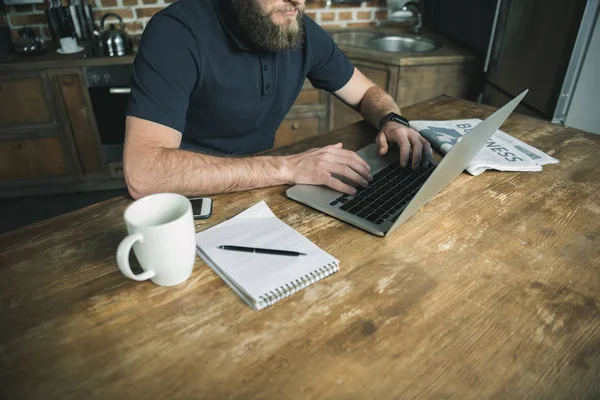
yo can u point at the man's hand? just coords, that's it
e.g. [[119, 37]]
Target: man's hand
[[406, 138], [373, 103], [317, 167]]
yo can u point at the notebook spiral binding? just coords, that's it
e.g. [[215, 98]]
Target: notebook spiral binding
[[288, 289]]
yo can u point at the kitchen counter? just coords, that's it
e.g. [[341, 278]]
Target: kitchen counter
[[52, 60], [448, 53]]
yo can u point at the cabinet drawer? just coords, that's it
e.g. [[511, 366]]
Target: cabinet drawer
[[32, 158], [293, 130], [23, 102]]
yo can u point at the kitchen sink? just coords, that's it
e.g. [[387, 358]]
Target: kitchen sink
[[389, 43], [352, 38], [403, 44]]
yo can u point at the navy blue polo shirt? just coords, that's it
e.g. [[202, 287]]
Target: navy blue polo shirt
[[196, 72]]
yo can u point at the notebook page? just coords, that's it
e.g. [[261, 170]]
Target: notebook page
[[258, 274]]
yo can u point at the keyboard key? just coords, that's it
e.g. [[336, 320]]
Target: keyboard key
[[373, 217], [355, 210], [389, 204], [346, 206], [352, 203], [333, 203]]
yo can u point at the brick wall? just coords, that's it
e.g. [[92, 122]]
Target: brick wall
[[137, 13]]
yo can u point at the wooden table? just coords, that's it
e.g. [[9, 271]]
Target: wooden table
[[490, 290]]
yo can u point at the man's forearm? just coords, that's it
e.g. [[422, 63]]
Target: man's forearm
[[376, 104], [191, 174]]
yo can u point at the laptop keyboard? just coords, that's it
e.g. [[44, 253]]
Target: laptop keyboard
[[390, 190]]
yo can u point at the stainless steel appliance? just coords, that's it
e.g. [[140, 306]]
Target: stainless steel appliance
[[109, 90], [114, 42], [540, 45]]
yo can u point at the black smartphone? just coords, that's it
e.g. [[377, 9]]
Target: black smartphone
[[201, 207]]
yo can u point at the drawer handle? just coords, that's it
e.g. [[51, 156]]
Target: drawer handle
[[115, 90], [295, 126]]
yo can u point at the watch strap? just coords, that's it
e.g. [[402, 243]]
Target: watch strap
[[395, 118]]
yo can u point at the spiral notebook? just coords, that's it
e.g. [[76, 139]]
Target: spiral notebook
[[263, 279]]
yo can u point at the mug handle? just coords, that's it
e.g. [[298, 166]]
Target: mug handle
[[123, 258]]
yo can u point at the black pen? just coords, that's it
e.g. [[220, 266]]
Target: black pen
[[262, 251]]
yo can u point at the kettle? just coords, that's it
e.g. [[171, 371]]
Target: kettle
[[114, 42], [29, 42]]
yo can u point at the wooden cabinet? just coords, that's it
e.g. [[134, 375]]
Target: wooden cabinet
[[293, 130], [80, 126], [308, 117], [33, 150], [48, 138], [24, 102], [423, 82], [32, 159]]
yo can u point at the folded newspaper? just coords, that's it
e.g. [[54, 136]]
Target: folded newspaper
[[502, 152]]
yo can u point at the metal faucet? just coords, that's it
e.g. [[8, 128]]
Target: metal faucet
[[418, 27]]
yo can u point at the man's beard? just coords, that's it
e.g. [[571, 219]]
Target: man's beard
[[262, 31]]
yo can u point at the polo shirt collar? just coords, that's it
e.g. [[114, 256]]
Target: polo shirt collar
[[228, 23]]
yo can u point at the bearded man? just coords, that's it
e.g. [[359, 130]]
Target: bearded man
[[212, 82]]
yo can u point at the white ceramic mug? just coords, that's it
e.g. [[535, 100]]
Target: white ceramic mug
[[163, 236], [68, 44]]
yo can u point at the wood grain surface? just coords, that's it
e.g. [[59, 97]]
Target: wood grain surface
[[23, 101], [490, 291], [81, 123]]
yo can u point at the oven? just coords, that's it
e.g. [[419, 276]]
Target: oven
[[109, 90]]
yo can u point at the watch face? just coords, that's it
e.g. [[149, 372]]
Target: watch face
[[400, 119]]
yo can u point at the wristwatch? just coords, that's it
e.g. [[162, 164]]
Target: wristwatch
[[393, 117]]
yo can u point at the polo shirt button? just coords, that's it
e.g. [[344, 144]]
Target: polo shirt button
[[265, 68], [268, 87]]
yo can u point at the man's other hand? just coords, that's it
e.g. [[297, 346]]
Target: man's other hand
[[406, 138], [317, 167]]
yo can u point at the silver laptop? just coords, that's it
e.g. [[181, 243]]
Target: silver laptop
[[395, 193]]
